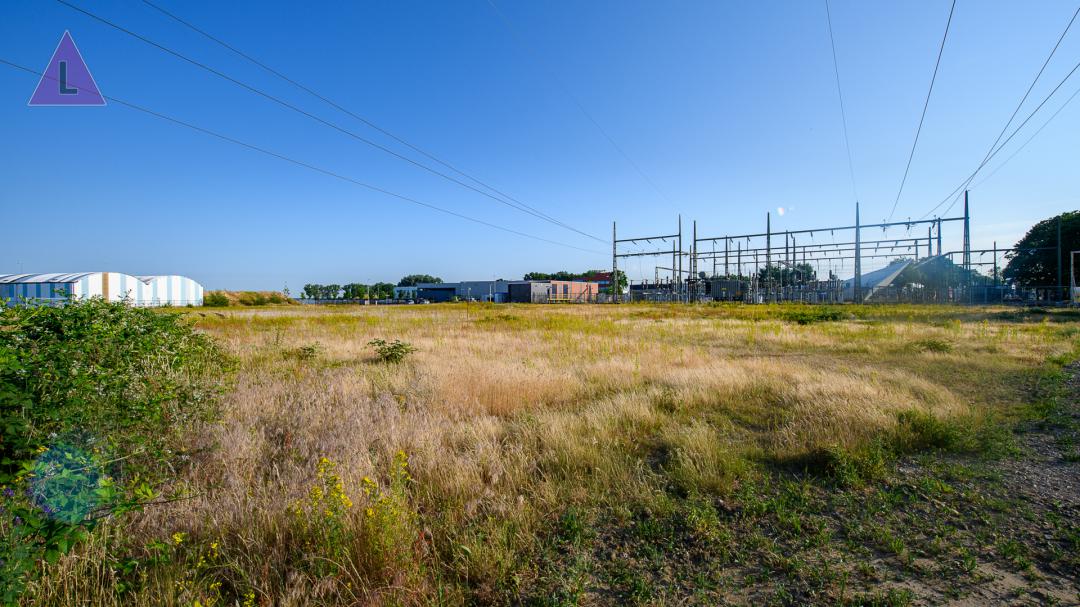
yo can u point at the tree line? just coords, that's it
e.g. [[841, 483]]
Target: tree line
[[357, 290]]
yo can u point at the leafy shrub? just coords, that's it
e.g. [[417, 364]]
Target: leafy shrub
[[95, 401], [391, 352], [917, 430], [253, 298], [215, 299], [812, 314]]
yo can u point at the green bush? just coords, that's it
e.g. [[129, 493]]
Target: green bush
[[96, 399], [918, 430], [252, 298], [391, 352], [812, 314], [215, 299]]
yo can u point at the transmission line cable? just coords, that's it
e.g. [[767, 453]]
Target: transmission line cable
[[840, 94], [573, 98], [1007, 140], [354, 115], [922, 118], [1024, 145], [308, 165], [314, 117], [991, 150]]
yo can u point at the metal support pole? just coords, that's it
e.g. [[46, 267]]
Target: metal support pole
[[768, 248], [674, 268], [1059, 281], [678, 274], [930, 241], [693, 265], [738, 262], [857, 284], [727, 243], [939, 236], [995, 265], [967, 247], [614, 266]]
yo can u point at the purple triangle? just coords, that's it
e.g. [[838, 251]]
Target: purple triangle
[[67, 80]]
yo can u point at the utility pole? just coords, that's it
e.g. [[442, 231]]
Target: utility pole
[[678, 274], [614, 267], [1072, 276], [693, 265], [967, 247], [727, 243], [768, 247], [1059, 281], [857, 284], [738, 262], [674, 275]]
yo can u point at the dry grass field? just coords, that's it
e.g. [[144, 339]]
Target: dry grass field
[[597, 455]]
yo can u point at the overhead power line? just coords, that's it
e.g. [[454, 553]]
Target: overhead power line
[[991, 150], [316, 118], [840, 94], [352, 114], [922, 118], [1017, 130], [573, 98], [1007, 140], [307, 165], [1033, 136]]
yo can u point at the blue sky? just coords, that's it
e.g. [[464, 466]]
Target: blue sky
[[729, 108]]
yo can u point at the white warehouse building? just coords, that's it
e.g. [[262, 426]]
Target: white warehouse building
[[111, 286]]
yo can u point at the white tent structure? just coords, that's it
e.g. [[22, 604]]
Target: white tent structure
[[111, 286]]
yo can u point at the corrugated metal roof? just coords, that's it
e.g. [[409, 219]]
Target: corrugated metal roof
[[151, 278], [71, 277], [44, 278]]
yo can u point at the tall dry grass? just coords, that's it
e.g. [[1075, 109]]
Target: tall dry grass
[[507, 416]]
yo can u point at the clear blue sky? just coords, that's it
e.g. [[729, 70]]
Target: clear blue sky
[[730, 108]]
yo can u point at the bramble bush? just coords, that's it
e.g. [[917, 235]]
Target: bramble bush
[[95, 401]]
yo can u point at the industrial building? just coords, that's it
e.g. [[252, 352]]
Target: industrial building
[[111, 286], [553, 291], [517, 291], [480, 290]]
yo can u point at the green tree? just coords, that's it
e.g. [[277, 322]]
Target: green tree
[[382, 290], [800, 273], [1035, 263], [354, 290], [331, 291], [313, 291], [414, 279]]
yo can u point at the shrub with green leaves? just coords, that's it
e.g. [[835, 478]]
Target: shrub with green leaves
[[391, 352], [96, 399], [215, 299]]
